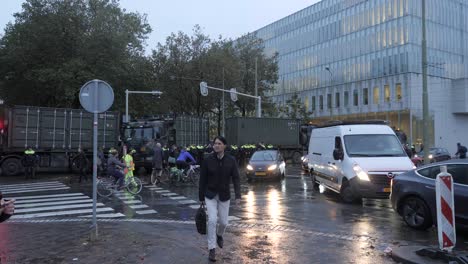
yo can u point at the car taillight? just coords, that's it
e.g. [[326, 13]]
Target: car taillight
[[2, 125]]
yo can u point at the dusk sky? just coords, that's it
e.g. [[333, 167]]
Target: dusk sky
[[230, 19]]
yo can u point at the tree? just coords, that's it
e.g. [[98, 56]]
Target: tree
[[54, 47], [295, 109], [183, 61]]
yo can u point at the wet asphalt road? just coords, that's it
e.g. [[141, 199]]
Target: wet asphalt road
[[291, 204]]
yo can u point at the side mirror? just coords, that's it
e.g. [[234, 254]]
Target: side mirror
[[338, 154]]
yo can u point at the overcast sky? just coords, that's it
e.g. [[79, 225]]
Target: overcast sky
[[229, 18]]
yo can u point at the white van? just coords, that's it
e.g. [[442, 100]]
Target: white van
[[356, 160]]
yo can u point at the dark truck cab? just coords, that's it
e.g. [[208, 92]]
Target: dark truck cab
[[142, 134]]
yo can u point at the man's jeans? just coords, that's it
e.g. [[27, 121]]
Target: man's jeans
[[218, 213]]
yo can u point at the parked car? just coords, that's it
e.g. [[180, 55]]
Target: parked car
[[305, 162], [435, 155], [356, 160], [266, 164], [413, 194]]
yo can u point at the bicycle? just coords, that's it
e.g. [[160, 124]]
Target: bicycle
[[106, 185], [178, 176]]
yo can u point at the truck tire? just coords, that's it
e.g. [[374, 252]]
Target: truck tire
[[11, 167], [296, 157]]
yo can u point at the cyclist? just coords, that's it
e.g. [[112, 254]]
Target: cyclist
[[128, 159], [114, 166], [181, 161]]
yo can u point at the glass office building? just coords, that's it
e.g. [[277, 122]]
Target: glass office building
[[356, 59]]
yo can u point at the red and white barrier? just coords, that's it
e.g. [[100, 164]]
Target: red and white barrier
[[445, 210]]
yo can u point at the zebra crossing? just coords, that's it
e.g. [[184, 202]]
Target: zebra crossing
[[181, 199], [29, 206], [135, 204]]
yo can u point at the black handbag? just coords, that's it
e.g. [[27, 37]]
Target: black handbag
[[200, 219]]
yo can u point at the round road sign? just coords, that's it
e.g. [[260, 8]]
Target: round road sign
[[96, 96]]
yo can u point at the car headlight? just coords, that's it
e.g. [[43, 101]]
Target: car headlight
[[430, 156], [416, 155], [362, 175], [272, 167], [249, 167]]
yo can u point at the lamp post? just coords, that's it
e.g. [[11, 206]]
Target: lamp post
[[127, 92], [425, 97]]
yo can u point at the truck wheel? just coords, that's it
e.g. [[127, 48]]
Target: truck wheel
[[296, 157], [11, 167]]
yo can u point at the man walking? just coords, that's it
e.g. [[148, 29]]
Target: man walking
[[82, 163], [158, 157], [217, 172], [461, 151]]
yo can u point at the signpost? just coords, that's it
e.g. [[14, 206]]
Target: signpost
[[445, 210], [96, 97]]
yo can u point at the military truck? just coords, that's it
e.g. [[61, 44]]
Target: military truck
[[141, 134], [55, 134], [288, 135]]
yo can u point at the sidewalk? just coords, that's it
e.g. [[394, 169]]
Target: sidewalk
[[137, 242]]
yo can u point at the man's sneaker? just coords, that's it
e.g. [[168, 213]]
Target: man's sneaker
[[220, 241], [212, 255]]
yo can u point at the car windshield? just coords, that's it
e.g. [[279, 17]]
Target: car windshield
[[373, 146], [263, 156]]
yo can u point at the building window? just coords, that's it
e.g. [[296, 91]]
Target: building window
[[306, 103], [387, 93], [355, 98], [398, 92], [337, 100], [321, 102], [346, 98], [329, 101], [376, 95], [365, 96], [313, 103]]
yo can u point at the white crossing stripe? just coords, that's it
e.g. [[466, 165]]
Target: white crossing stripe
[[37, 190], [28, 184], [177, 197], [139, 206], [14, 188], [233, 218], [154, 187], [50, 208], [187, 202], [58, 213], [19, 206], [51, 199], [132, 202], [104, 215], [146, 212], [194, 206], [169, 194], [47, 196], [162, 191]]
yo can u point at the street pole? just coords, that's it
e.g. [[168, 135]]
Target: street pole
[[126, 106], [425, 97], [224, 109], [256, 85], [95, 143]]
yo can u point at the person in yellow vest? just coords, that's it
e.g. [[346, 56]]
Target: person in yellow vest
[[128, 160]]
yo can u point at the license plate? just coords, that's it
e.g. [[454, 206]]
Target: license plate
[[260, 173], [387, 189]]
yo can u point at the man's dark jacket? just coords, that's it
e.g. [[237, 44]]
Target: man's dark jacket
[[215, 177]]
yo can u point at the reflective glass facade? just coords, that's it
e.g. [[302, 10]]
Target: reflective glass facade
[[353, 47]]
